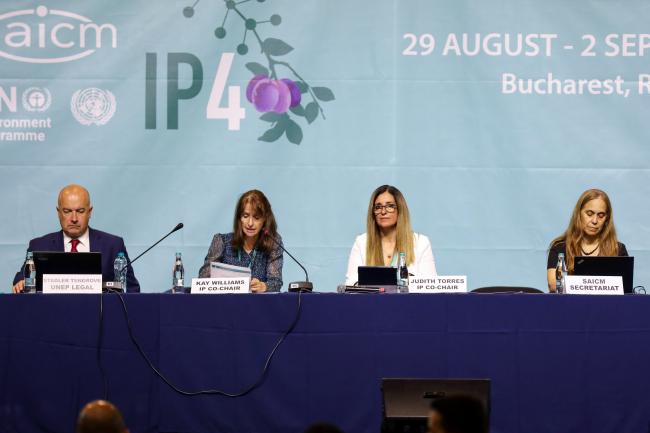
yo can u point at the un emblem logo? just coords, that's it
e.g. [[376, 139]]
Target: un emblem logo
[[36, 99], [92, 105]]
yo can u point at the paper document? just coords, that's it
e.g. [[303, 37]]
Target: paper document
[[222, 270]]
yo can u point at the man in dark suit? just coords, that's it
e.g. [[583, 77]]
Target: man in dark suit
[[74, 211]]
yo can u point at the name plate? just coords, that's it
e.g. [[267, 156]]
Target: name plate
[[594, 285], [439, 284], [217, 286], [77, 283]]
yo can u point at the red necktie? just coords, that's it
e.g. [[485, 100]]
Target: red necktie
[[74, 243]]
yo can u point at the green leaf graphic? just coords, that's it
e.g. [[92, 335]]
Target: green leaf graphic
[[323, 93], [294, 132], [311, 112], [257, 69], [302, 86], [298, 110], [274, 133], [276, 47], [271, 117]]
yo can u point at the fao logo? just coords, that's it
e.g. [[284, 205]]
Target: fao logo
[[36, 99], [93, 106]]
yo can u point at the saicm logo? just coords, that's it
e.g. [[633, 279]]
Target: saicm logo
[[43, 35]]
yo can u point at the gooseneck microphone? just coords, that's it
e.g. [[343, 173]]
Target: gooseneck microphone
[[116, 286], [296, 286], [175, 229]]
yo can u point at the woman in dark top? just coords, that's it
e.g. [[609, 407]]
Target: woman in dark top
[[251, 244], [591, 232]]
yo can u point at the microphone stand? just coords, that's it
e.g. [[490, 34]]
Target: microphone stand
[[296, 286]]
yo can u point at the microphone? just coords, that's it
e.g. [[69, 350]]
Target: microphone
[[296, 286], [175, 229], [113, 286]]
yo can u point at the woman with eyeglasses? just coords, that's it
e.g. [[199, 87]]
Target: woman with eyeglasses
[[388, 233], [251, 244], [591, 232]]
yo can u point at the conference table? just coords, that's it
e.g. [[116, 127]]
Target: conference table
[[558, 363]]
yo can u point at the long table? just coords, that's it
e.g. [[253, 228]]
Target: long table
[[557, 363]]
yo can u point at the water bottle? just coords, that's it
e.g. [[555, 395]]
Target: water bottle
[[402, 274], [178, 275], [29, 272], [560, 274], [119, 270]]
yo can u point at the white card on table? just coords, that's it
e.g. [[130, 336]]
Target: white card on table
[[594, 285], [218, 286], [72, 283], [439, 284]]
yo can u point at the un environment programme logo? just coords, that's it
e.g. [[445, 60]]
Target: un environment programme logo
[[43, 35], [36, 99], [93, 106], [24, 122], [283, 100]]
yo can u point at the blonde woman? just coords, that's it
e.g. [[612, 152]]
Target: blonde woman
[[388, 233], [591, 232]]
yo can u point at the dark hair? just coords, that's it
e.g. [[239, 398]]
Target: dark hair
[[323, 427], [461, 414], [262, 207]]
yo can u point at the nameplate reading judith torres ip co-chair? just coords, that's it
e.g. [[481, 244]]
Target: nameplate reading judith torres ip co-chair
[[220, 286], [594, 285], [439, 284], [72, 283]]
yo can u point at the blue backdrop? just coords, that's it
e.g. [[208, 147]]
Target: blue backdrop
[[490, 175]]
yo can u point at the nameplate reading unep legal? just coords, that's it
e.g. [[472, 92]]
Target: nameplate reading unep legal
[[78, 283], [439, 284], [593, 285], [218, 286]]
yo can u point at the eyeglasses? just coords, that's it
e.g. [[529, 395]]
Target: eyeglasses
[[390, 208]]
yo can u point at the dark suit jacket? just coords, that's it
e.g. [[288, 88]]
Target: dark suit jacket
[[101, 242]]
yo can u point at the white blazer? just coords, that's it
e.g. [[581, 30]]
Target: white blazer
[[424, 264]]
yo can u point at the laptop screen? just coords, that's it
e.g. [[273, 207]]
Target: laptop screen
[[51, 262], [607, 266], [377, 276]]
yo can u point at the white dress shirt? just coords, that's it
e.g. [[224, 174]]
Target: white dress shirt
[[84, 243], [423, 265]]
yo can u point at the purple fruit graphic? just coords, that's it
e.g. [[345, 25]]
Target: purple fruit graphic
[[265, 95], [284, 99], [251, 86], [295, 92]]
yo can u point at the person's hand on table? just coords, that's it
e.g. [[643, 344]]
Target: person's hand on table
[[257, 286], [19, 286]]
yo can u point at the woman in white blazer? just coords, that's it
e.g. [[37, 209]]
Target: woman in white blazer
[[388, 233]]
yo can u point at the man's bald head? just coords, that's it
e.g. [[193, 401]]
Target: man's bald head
[[74, 190], [74, 210], [100, 416]]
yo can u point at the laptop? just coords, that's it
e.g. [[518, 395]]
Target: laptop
[[607, 266], [377, 276], [407, 401], [58, 262]]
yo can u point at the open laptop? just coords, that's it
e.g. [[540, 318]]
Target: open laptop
[[378, 277], [607, 266], [407, 401], [58, 262]]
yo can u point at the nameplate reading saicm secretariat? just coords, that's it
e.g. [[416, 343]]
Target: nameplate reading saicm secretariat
[[77, 283], [218, 286], [439, 284], [594, 285]]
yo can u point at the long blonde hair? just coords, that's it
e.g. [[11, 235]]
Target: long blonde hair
[[572, 237], [403, 243]]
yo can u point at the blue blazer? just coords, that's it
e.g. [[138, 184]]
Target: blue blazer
[[101, 242]]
